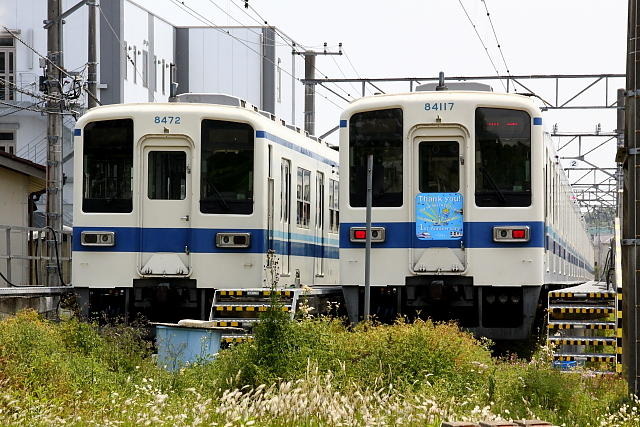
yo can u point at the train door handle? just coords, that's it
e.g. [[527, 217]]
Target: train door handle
[[185, 218]]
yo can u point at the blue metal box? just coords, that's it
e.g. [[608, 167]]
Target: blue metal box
[[180, 345]]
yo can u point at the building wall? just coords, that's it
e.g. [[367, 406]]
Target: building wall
[[289, 92], [14, 192], [151, 37], [219, 63]]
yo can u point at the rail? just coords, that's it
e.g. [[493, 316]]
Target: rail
[[28, 253]]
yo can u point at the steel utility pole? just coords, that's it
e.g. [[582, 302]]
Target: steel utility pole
[[367, 250], [92, 74], [54, 139], [310, 88], [630, 219]]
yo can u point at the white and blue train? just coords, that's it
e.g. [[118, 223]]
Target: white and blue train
[[473, 216], [173, 201]]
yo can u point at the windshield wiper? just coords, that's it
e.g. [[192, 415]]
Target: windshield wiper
[[494, 185], [221, 199]]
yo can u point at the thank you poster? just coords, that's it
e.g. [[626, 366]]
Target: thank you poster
[[439, 216]]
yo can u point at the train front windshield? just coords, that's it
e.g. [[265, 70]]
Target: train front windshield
[[503, 157], [226, 182], [379, 133], [107, 165]]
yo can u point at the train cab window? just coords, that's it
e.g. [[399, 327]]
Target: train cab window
[[503, 157], [378, 133], [226, 181], [439, 167], [107, 165], [167, 175]]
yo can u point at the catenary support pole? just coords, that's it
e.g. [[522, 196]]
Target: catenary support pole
[[630, 219], [54, 140], [367, 251], [309, 94], [92, 74]]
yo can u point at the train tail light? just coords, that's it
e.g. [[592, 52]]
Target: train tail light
[[511, 233], [233, 240], [518, 234], [98, 238], [359, 234]]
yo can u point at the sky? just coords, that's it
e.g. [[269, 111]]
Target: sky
[[419, 38]]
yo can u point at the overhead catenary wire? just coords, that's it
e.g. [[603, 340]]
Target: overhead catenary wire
[[288, 40], [197, 15], [346, 55], [482, 42], [243, 25], [495, 34], [344, 75]]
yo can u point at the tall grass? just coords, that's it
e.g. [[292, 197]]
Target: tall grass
[[312, 372]]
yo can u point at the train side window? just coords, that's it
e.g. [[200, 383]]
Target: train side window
[[303, 198], [379, 133], [107, 164], [439, 170], [503, 157], [334, 206], [320, 200], [227, 168]]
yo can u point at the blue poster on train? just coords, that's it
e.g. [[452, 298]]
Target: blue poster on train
[[439, 216]]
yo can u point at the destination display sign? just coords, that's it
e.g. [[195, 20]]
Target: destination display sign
[[439, 216]]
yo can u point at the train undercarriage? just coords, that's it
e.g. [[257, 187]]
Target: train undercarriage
[[499, 313]]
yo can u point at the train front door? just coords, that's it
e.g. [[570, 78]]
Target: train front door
[[438, 199], [165, 207]]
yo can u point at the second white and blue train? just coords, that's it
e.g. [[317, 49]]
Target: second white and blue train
[[473, 216]]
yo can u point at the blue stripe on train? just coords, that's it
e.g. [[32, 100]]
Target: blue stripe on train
[[476, 235], [199, 240], [295, 147]]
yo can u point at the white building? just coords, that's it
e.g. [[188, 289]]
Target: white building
[[139, 56]]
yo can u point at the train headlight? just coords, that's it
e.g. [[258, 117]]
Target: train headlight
[[511, 233], [233, 240], [98, 238], [359, 234]]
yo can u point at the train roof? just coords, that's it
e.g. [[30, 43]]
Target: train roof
[[197, 103], [517, 100]]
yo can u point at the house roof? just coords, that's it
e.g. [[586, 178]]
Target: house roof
[[37, 173]]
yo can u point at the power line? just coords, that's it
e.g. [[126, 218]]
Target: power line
[[243, 25], [26, 92], [49, 61], [481, 41], [288, 40], [197, 15], [486, 8], [19, 108]]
